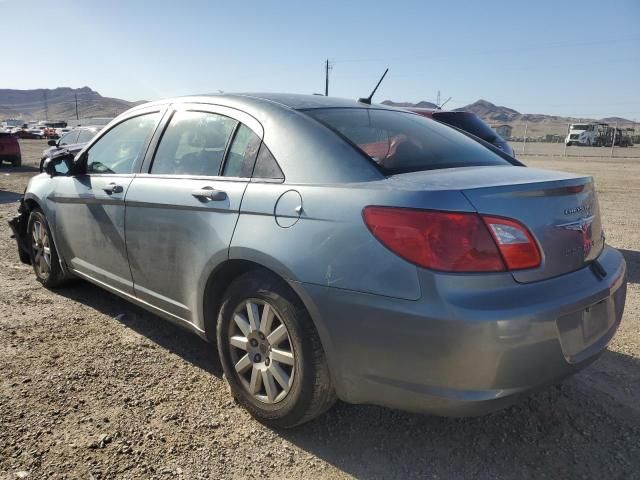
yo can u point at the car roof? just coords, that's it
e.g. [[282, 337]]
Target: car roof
[[289, 100]]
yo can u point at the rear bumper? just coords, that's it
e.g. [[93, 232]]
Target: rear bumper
[[9, 156], [471, 344]]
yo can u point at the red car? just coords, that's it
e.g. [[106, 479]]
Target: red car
[[10, 149]]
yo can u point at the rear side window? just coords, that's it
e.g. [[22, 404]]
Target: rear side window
[[266, 166], [400, 142], [242, 153], [193, 144], [85, 136], [70, 138]]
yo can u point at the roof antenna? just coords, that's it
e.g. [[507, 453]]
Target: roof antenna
[[444, 103], [368, 99]]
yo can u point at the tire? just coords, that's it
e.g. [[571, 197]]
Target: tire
[[49, 273], [17, 162], [310, 392]]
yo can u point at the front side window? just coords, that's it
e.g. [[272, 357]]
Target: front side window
[[242, 154], [119, 149], [400, 142], [193, 144]]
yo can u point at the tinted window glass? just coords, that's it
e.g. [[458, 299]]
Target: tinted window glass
[[86, 135], [266, 165], [242, 153], [193, 144], [69, 138], [118, 150], [469, 122], [404, 142]]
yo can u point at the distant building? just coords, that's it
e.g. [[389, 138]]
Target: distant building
[[503, 130], [13, 122]]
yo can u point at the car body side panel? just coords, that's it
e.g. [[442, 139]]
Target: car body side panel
[[330, 244], [90, 227], [174, 239]]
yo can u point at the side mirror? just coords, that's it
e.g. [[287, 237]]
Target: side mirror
[[52, 143], [58, 166]]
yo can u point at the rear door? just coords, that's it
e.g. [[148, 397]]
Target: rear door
[[181, 213], [90, 206]]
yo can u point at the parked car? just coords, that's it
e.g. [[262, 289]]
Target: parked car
[[61, 131], [334, 249], [469, 122], [10, 149], [70, 142], [25, 133]]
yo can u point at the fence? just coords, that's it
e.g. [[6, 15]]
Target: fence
[[548, 139]]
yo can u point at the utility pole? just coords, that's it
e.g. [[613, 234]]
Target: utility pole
[[613, 140], [46, 105], [77, 117], [326, 78]]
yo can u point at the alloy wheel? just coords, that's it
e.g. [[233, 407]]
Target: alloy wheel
[[41, 249], [261, 351]]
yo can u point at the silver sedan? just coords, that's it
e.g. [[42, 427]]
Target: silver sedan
[[334, 249]]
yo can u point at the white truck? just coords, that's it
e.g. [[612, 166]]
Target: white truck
[[582, 134]]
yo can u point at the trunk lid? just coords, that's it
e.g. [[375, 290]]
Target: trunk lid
[[560, 210]]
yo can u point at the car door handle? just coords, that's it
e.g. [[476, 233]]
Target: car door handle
[[209, 193], [113, 188]]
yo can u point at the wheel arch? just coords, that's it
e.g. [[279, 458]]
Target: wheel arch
[[220, 279]]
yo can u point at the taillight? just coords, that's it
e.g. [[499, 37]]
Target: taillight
[[452, 241], [516, 244]]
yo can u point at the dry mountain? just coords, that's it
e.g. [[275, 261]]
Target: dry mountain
[[59, 103], [494, 114]]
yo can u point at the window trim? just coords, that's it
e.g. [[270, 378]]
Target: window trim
[[227, 148]]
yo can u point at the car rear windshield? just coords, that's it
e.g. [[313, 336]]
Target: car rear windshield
[[400, 142], [467, 121]]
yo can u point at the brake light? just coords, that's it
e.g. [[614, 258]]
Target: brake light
[[453, 241]]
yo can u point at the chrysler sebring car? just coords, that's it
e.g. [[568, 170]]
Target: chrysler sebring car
[[333, 249]]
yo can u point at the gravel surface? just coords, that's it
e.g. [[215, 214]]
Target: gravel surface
[[94, 387]]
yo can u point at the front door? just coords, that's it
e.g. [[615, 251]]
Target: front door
[[90, 210], [181, 215]]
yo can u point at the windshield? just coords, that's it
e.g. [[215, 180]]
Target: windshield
[[579, 127], [467, 121], [400, 142]]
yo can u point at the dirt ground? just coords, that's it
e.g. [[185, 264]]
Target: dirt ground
[[93, 387]]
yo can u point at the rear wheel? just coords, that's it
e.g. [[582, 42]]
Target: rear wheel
[[44, 256], [17, 161], [271, 353]]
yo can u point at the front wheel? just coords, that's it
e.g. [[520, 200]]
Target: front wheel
[[44, 256], [271, 353]]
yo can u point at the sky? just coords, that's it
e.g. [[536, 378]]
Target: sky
[[573, 58]]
